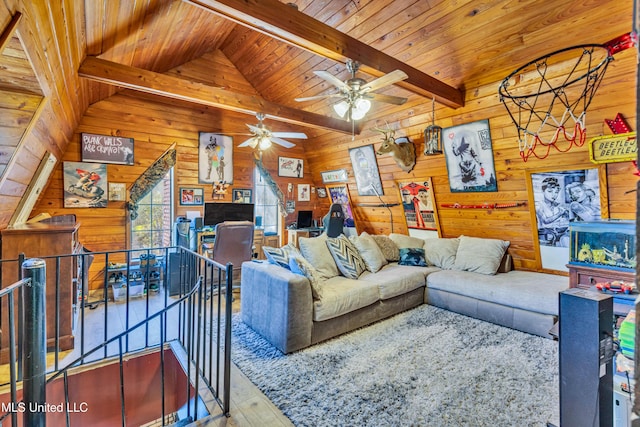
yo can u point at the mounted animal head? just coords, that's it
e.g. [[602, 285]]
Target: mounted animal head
[[402, 151]]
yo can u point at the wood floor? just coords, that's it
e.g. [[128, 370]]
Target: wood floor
[[248, 406]]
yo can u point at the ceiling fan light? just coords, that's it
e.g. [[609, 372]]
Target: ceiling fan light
[[341, 108], [360, 109], [264, 143]]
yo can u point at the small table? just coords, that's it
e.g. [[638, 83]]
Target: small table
[[622, 303]]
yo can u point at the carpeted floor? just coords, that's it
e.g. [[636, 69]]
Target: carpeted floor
[[425, 367]]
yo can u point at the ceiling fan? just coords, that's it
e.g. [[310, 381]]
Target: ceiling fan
[[262, 137], [357, 93]]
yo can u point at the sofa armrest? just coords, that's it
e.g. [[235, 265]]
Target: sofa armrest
[[277, 304]]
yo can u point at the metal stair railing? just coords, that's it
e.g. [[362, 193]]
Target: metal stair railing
[[197, 319]]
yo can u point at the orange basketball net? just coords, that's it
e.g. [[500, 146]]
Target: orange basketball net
[[547, 99]]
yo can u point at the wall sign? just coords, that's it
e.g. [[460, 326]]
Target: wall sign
[[613, 148], [107, 149]]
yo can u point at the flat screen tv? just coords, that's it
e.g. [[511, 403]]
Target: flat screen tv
[[215, 213], [305, 218]]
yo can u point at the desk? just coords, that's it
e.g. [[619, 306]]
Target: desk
[[294, 234]]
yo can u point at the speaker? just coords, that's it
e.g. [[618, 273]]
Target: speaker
[[586, 358], [197, 223]]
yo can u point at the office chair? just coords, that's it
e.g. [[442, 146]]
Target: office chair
[[334, 221], [233, 244]]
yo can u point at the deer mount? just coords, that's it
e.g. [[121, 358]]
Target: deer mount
[[402, 149]]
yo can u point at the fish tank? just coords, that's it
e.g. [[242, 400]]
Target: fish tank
[[605, 244]]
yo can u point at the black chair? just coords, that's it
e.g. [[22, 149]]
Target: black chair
[[334, 221]]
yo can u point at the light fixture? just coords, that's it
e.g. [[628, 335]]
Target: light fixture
[[264, 142], [341, 108], [433, 135], [353, 109], [361, 108]]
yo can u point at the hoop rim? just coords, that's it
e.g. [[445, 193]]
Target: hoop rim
[[502, 88]]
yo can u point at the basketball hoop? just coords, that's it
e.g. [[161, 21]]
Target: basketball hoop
[[547, 98]]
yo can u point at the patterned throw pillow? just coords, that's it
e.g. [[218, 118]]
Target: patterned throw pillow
[[412, 256], [280, 256], [346, 256], [387, 246], [301, 266]]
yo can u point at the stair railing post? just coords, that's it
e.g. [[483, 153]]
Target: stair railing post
[[35, 343]]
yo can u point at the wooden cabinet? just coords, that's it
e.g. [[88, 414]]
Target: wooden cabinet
[[586, 276], [46, 241]]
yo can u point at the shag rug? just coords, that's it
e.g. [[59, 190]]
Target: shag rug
[[424, 367]]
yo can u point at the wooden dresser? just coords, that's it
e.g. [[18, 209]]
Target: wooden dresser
[[39, 241], [582, 276]]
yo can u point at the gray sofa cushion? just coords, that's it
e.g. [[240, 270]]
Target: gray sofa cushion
[[341, 295], [537, 292], [394, 279]]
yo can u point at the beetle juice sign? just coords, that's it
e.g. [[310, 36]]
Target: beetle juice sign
[[107, 149]]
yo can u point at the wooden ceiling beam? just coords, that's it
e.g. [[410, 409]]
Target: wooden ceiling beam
[[286, 23], [112, 73]]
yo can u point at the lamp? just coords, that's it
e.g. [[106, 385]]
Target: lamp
[[357, 107], [341, 108], [264, 142], [433, 135]]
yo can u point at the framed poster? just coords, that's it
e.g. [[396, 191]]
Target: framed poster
[[304, 192], [241, 195], [191, 196], [419, 205], [85, 185], [559, 198], [469, 155], [338, 175], [290, 167], [106, 149], [215, 158], [322, 192], [117, 191], [339, 193], [365, 169]]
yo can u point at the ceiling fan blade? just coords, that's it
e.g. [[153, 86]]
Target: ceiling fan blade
[[386, 80], [332, 79], [254, 129], [295, 135], [285, 144], [251, 142], [390, 99], [312, 98]]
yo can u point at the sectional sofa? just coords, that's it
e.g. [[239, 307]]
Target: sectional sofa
[[295, 299]]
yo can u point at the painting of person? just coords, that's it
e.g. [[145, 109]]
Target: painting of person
[[583, 205], [215, 158], [552, 215], [365, 168]]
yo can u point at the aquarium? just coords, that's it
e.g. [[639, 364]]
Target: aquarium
[[609, 243]]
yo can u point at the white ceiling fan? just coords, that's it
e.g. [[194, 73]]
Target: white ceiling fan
[[262, 137], [357, 93]]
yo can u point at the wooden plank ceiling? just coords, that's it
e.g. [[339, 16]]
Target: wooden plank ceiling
[[445, 47]]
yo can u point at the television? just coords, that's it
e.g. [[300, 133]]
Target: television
[[215, 213], [305, 219]]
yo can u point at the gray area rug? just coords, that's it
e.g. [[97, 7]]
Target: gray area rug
[[424, 367]]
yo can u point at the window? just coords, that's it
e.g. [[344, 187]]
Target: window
[[153, 226], [266, 205]]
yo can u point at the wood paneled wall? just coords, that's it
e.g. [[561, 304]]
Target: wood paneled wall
[[615, 95]]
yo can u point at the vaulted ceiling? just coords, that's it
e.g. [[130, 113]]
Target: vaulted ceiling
[[57, 58]]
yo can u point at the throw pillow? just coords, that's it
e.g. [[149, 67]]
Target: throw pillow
[[299, 265], [315, 250], [387, 246], [480, 255], [441, 252], [412, 256], [346, 256], [404, 241], [280, 256], [373, 258]]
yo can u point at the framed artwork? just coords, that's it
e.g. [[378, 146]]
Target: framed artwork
[[558, 198], [304, 192], [290, 167], [322, 192], [365, 169], [117, 191], [191, 196], [241, 195], [419, 205], [106, 149], [469, 155], [339, 193], [85, 185], [338, 175], [215, 158]]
